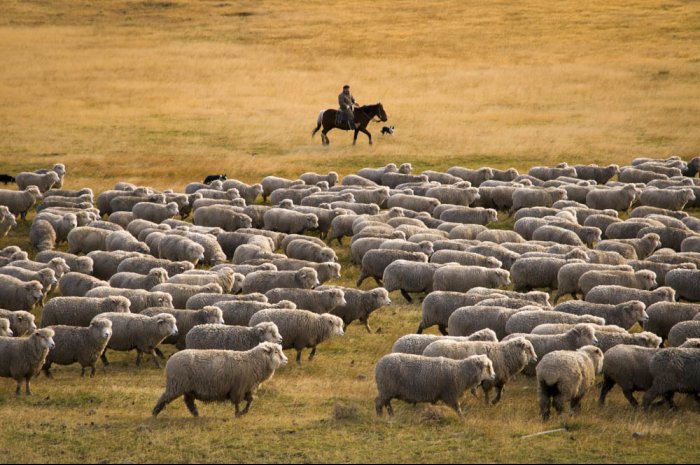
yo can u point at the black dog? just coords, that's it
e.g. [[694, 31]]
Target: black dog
[[5, 178], [388, 130], [214, 177]]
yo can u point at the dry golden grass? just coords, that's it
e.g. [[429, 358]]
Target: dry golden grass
[[164, 92]]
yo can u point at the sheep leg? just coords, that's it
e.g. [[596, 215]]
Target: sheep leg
[[420, 328], [189, 402], [378, 281], [298, 357], [361, 279], [366, 323], [18, 391], [160, 353], [558, 403], [649, 397], [454, 405], [629, 395], [499, 391], [556, 298], [26, 383], [47, 370], [406, 296], [608, 384], [378, 405], [576, 404], [154, 357], [389, 408], [443, 329], [668, 397], [249, 400], [103, 357], [313, 353], [164, 400], [138, 358]]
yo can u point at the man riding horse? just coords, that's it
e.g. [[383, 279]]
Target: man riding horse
[[347, 105]]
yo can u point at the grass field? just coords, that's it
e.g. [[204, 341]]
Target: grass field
[[165, 92]]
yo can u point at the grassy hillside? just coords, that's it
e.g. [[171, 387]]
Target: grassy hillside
[[164, 92]]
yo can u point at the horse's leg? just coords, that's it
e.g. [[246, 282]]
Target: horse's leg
[[366, 132], [324, 136], [354, 139]]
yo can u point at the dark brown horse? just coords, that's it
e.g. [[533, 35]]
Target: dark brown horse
[[363, 115]]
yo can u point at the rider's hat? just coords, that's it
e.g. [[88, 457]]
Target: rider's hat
[[346, 86]]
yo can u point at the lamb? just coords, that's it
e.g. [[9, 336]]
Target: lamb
[[219, 375], [16, 294], [581, 335], [78, 284], [79, 311], [22, 358], [186, 320], [43, 181], [310, 251], [19, 202], [317, 301], [143, 333], [566, 376], [615, 199], [179, 248], [230, 281], [526, 320], [599, 174], [224, 337], [181, 292], [409, 276], [7, 221], [569, 275], [644, 279], [665, 315], [475, 177], [300, 328], [508, 358], [614, 295], [538, 272], [685, 283], [129, 280], [469, 215], [374, 262], [21, 322], [414, 378], [625, 314], [325, 271], [673, 370], [463, 278], [683, 331], [289, 221], [79, 345], [75, 263], [221, 216], [138, 298], [143, 265], [416, 343]]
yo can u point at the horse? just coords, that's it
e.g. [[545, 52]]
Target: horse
[[363, 115]]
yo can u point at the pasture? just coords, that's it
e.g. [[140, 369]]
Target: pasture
[[162, 93]]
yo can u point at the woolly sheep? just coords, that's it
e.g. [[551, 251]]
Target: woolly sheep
[[22, 358], [665, 315], [78, 284], [21, 322], [441, 178], [500, 253], [414, 378], [425, 247], [143, 265], [221, 216], [309, 251], [463, 258], [75, 263], [229, 280], [669, 199], [193, 187], [325, 271], [685, 283], [134, 331], [661, 269], [154, 212], [439, 305], [599, 174], [508, 358], [79, 345], [86, 239], [295, 194], [300, 328], [289, 221], [7, 221], [566, 376], [138, 298], [683, 331], [644, 279], [469, 215], [660, 168], [608, 340], [417, 343], [375, 261], [127, 202], [537, 272], [186, 320], [79, 311], [546, 173], [630, 228], [616, 199], [526, 320], [569, 275], [625, 314], [219, 375], [558, 235], [248, 192], [42, 235], [181, 292], [317, 301], [634, 175], [673, 370], [359, 304], [355, 180], [43, 181], [272, 183], [644, 211], [47, 277], [561, 328], [459, 194], [614, 295], [19, 202], [357, 208], [179, 248], [536, 197], [105, 264], [239, 312], [129, 280], [375, 174], [600, 222], [263, 281], [469, 319], [16, 294], [475, 177], [466, 231], [224, 337]]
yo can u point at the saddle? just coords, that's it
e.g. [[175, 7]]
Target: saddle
[[342, 120]]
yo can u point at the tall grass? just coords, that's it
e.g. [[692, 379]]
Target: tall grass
[[165, 92]]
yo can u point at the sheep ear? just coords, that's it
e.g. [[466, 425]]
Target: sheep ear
[[268, 349]]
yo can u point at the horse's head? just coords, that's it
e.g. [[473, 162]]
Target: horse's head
[[381, 113]]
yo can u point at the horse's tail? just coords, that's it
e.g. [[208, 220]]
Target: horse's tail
[[319, 121]]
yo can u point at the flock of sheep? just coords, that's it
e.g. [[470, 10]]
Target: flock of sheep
[[219, 290]]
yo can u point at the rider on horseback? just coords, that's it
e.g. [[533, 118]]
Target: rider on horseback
[[347, 103]]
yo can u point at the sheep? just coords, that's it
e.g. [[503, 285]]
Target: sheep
[[309, 251], [630, 228], [134, 331], [413, 202], [463, 278], [441, 178], [546, 173], [600, 222], [325, 271], [355, 180], [661, 269], [295, 194], [425, 247], [186, 320], [43, 181], [230, 281], [221, 216], [127, 202], [105, 264], [469, 319], [614, 295], [193, 187], [219, 375], [245, 270], [416, 343], [317, 301], [414, 378], [439, 305], [248, 192], [674, 161], [673, 370], [87, 239], [500, 253], [615, 199], [79, 311], [289, 221], [569, 275], [356, 208], [644, 280], [79, 345], [86, 191], [625, 314], [181, 292], [7, 221], [157, 213], [75, 263], [5, 330], [213, 253], [374, 262], [239, 312], [599, 174], [458, 194], [566, 376], [499, 236], [46, 276], [143, 265], [561, 328], [22, 358], [358, 304], [272, 183], [375, 174], [19, 202], [508, 358], [685, 283], [377, 195], [633, 175], [536, 197], [526, 320], [123, 240], [300, 328], [21, 322], [106, 225], [263, 281], [665, 315], [239, 338], [19, 257], [469, 215], [466, 231], [178, 248], [129, 280], [669, 199], [475, 177], [409, 276], [538, 298], [644, 211], [683, 331], [608, 340], [16, 294], [138, 298], [74, 284], [463, 258], [691, 244], [558, 235], [535, 212], [230, 241], [537, 272]]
